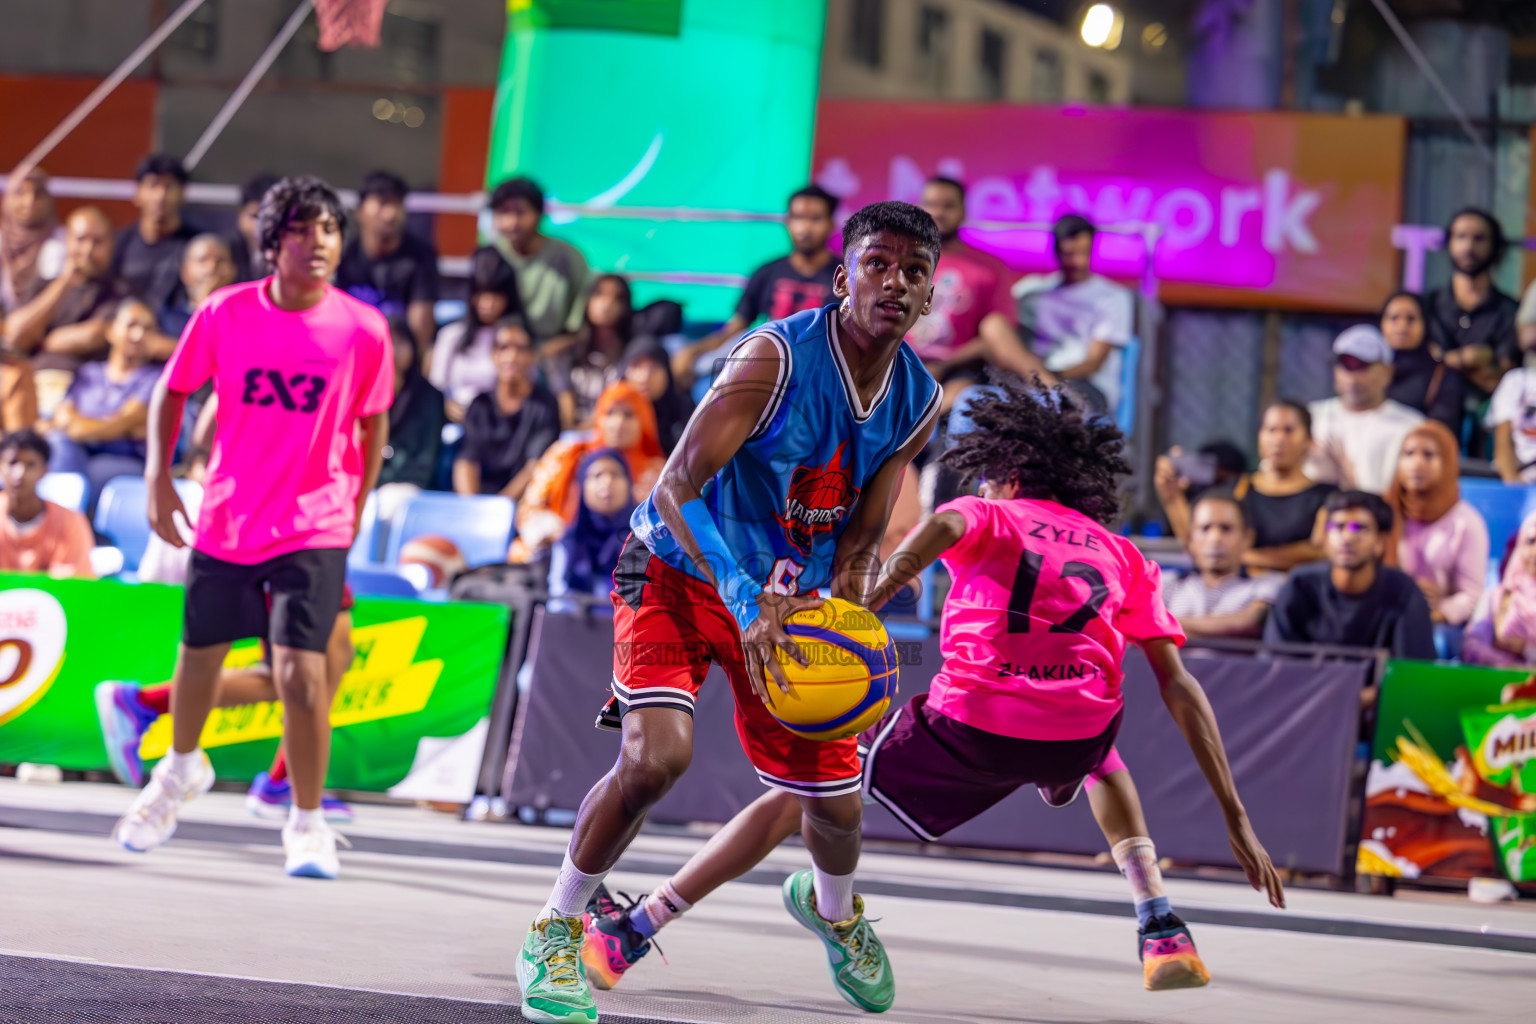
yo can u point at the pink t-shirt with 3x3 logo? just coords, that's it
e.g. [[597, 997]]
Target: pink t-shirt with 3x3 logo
[[287, 461], [1035, 626]]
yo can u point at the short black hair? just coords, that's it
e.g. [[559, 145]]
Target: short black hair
[[1299, 408], [1225, 497], [255, 187], [939, 179], [815, 192], [522, 188], [1381, 512], [1044, 439], [115, 309], [516, 321], [26, 440], [1418, 300], [295, 201], [1071, 226], [1500, 242], [896, 217], [383, 184], [162, 163]]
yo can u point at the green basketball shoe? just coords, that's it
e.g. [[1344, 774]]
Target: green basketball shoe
[[550, 974], [860, 971]]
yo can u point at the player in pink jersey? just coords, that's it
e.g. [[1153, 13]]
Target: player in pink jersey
[[1034, 629], [304, 375]]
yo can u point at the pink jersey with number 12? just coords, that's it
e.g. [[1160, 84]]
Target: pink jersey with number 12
[[1036, 623]]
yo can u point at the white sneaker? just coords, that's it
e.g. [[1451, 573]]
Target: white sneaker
[[151, 819], [312, 851]]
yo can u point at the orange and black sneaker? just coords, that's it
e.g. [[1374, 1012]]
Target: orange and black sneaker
[[1168, 957]]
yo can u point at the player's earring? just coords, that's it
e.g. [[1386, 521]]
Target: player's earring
[[847, 303]]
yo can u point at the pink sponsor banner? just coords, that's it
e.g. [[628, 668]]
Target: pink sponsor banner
[[1250, 209]]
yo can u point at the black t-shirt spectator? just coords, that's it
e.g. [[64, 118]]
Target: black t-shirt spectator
[[1421, 381], [1491, 324], [416, 419], [1393, 614], [86, 301], [776, 290], [1286, 518], [151, 271], [502, 445], [390, 283]]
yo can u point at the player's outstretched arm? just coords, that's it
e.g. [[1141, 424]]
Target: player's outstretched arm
[[1192, 713], [165, 409], [919, 549]]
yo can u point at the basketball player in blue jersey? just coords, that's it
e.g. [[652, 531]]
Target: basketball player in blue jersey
[[781, 484]]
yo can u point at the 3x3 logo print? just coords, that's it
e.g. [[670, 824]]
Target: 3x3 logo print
[[296, 392]]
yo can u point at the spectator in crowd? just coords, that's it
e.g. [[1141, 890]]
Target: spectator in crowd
[[1356, 436], [462, 366], [385, 265], [1512, 418], [147, 256], [1219, 598], [782, 287], [1441, 541], [31, 238], [415, 417], [580, 366], [1355, 600], [1420, 378], [99, 428], [1283, 505], [1503, 627], [585, 556], [206, 266], [65, 323], [624, 421], [1079, 321], [245, 247], [552, 275], [509, 427], [1525, 319], [1475, 320], [649, 371], [37, 535]]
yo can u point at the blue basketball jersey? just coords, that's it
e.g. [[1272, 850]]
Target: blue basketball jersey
[[783, 500]]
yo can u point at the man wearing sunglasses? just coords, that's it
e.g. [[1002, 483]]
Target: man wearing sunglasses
[[1354, 600], [1356, 436]]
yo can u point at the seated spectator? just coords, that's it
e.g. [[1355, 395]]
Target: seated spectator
[[1441, 541], [37, 535], [624, 421], [415, 417], [1420, 378], [1283, 505], [99, 428], [31, 238], [462, 366], [206, 266], [1356, 436], [147, 256], [162, 563], [552, 275], [585, 557], [1079, 322], [65, 323], [1512, 419], [507, 429], [385, 265], [245, 247], [1503, 627], [581, 365], [1474, 320], [1355, 600], [1525, 319], [1219, 598], [649, 371]]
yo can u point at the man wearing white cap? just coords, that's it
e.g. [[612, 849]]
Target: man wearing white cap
[[1356, 436]]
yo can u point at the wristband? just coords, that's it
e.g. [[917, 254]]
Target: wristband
[[737, 590]]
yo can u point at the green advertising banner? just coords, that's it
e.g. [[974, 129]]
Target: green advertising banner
[[421, 671], [659, 16], [1451, 791]]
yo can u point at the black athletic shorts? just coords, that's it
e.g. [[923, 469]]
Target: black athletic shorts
[[226, 601], [935, 774]]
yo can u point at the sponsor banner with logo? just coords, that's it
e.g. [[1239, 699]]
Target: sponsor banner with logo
[[1451, 791], [1261, 209], [422, 671]]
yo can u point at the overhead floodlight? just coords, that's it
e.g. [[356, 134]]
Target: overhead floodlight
[[1102, 26]]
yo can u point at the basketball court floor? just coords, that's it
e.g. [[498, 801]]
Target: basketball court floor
[[424, 923]]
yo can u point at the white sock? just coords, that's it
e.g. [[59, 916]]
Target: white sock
[[658, 909], [185, 767], [834, 895], [573, 888], [302, 820]]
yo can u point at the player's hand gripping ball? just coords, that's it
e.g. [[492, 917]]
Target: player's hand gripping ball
[[850, 678]]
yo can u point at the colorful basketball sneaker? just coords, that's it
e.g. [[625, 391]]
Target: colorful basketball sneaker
[[860, 970], [610, 945], [151, 818], [124, 720], [551, 976], [1168, 957], [270, 801]]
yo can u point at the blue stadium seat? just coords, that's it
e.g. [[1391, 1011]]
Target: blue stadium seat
[[1503, 507], [365, 550], [68, 489], [446, 311], [481, 525], [382, 581], [122, 515]]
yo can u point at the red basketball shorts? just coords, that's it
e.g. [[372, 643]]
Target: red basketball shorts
[[668, 627]]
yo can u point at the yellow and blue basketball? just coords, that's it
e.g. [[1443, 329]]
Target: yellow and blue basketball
[[851, 676]]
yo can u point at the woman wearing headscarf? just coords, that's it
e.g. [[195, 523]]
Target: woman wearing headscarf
[[1440, 540], [648, 367], [31, 238], [584, 558], [624, 421], [1420, 378], [1503, 630]]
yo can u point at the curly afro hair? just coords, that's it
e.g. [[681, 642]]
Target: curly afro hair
[[1043, 439], [291, 202]]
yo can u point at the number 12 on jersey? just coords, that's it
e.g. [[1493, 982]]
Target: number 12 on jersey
[[1027, 578]]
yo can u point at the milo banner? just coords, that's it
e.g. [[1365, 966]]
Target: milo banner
[[1452, 786], [421, 679]]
